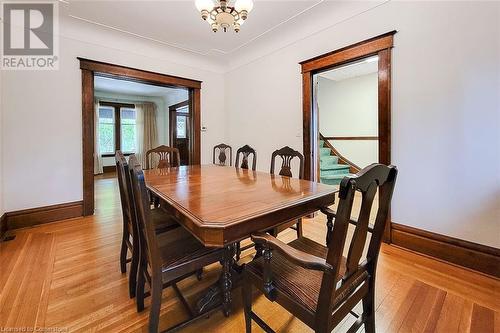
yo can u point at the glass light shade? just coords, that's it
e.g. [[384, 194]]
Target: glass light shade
[[209, 20], [243, 5], [204, 5]]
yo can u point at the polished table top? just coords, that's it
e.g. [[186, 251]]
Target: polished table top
[[221, 205]]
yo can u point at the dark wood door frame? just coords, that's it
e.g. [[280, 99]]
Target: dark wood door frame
[[172, 116], [379, 45], [90, 69]]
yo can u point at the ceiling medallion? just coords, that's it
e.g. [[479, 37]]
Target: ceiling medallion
[[220, 15]]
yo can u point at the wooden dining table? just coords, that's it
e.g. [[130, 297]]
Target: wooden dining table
[[223, 205]]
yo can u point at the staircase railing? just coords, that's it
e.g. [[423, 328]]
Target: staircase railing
[[353, 168]]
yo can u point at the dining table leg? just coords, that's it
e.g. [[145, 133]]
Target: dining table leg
[[226, 278]]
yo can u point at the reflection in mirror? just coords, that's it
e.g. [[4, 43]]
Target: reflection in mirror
[[347, 101]]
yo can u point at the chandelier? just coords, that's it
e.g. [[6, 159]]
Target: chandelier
[[220, 15]]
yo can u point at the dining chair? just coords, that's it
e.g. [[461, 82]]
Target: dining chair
[[164, 259], [168, 157], [317, 283], [222, 157], [245, 152], [287, 154], [161, 222]]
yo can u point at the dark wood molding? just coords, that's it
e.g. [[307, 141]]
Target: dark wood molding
[[137, 75], [3, 225], [196, 119], [475, 256], [116, 104], [349, 53], [90, 69], [109, 168], [88, 141], [178, 105], [351, 138], [34, 216], [308, 129], [384, 106]]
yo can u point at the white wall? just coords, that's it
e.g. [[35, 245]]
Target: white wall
[[445, 109], [42, 111], [349, 107], [2, 193]]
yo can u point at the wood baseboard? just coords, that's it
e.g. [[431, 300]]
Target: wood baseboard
[[3, 225], [109, 168], [34, 216], [475, 256]]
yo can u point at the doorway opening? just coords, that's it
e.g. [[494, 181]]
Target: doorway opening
[[134, 117], [127, 109], [346, 99]]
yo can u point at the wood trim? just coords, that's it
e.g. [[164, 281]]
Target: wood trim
[[384, 106], [353, 138], [3, 225], [475, 256], [88, 141], [109, 168], [117, 104], [34, 216], [310, 172], [178, 105], [91, 68], [349, 53], [137, 75], [196, 128]]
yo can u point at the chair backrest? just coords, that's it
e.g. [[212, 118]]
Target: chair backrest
[[126, 199], [367, 182], [166, 155], [287, 154], [222, 157], [245, 151], [147, 237]]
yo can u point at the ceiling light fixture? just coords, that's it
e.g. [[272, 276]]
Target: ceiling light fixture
[[220, 15]]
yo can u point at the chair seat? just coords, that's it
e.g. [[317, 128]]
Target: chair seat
[[302, 285], [178, 246], [162, 220]]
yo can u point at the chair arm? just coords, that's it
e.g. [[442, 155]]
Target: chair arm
[[298, 257]]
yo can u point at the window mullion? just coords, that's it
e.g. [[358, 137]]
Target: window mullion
[[117, 128]]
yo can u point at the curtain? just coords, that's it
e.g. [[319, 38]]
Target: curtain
[[97, 151], [147, 132]]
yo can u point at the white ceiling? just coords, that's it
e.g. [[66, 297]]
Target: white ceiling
[[122, 87], [352, 70], [178, 23]]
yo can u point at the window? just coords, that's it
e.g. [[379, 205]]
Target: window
[[106, 130], [128, 130], [117, 128], [181, 127]]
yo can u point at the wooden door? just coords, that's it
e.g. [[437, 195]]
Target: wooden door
[[180, 130]]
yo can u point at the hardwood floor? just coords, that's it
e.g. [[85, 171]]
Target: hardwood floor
[[65, 276]]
